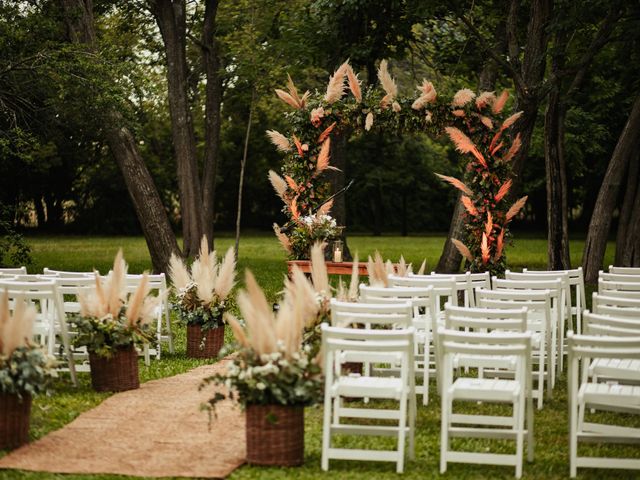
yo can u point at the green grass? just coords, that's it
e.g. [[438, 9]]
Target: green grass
[[263, 256]]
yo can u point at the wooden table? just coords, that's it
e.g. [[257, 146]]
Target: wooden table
[[333, 268]]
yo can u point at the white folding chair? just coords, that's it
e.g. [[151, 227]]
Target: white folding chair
[[158, 284], [469, 281], [13, 271], [373, 346], [619, 277], [557, 290], [50, 320], [576, 281], [609, 397], [616, 306], [624, 270], [619, 289], [538, 304], [66, 274], [423, 301], [514, 349]]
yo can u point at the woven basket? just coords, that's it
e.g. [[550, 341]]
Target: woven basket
[[210, 347], [15, 414], [275, 435], [115, 374]]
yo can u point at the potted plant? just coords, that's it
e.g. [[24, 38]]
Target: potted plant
[[273, 375], [202, 297], [25, 370], [111, 324]]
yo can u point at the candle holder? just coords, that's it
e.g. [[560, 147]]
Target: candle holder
[[338, 250]]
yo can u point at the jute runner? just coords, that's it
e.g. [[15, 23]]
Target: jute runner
[[155, 431]]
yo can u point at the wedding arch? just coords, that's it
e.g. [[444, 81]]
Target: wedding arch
[[476, 124]]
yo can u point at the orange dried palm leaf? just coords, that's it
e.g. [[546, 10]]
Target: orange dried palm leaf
[[499, 245], [325, 208], [354, 84], [496, 148], [325, 134], [500, 102], [298, 144], [292, 183], [503, 190], [462, 248], [511, 120], [469, 206], [456, 183], [464, 144], [515, 208], [515, 147], [323, 157], [484, 249], [489, 224]]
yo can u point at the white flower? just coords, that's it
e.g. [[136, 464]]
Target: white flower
[[260, 386]]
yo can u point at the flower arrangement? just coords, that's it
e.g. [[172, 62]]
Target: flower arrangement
[[481, 132], [307, 230], [109, 319], [272, 365], [24, 368], [202, 294]]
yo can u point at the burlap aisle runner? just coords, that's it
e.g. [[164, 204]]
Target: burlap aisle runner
[[156, 431]]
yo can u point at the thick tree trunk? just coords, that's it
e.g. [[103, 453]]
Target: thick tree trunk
[[625, 227], [171, 19], [596, 243], [556, 180], [213, 101], [631, 253], [151, 214]]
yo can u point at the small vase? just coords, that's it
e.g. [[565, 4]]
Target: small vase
[[15, 414], [116, 373], [275, 435], [204, 343]]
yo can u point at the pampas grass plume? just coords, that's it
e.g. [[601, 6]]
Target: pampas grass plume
[[178, 272], [226, 275], [279, 140], [463, 249], [278, 183], [354, 83], [462, 97]]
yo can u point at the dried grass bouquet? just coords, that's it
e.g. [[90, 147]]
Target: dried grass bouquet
[[110, 319], [202, 294], [24, 367]]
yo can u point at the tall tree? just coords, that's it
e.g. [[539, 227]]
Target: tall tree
[[161, 241], [596, 242]]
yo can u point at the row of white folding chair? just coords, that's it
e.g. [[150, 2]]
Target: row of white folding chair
[[395, 346], [586, 393], [466, 282], [539, 323], [619, 277], [624, 289], [624, 270], [511, 349], [423, 302], [576, 281], [615, 305], [557, 290], [50, 321]]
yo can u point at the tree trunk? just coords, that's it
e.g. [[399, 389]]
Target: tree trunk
[[213, 100], [171, 19], [556, 177], [627, 210], [596, 243], [243, 164], [161, 241], [631, 253]]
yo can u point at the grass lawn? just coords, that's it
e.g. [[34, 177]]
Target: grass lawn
[[263, 256]]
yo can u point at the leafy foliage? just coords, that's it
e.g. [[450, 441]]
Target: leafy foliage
[[27, 370]]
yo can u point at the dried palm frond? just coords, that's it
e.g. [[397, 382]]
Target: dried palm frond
[[468, 204], [456, 183], [484, 99], [282, 238], [293, 208], [299, 147], [486, 121], [226, 275], [423, 267], [464, 144], [484, 249], [354, 83], [500, 102], [499, 245], [503, 190], [515, 147], [278, 183], [511, 120], [319, 274], [325, 208], [335, 88], [178, 272], [327, 131], [463, 249], [368, 122], [462, 97], [279, 140], [489, 224], [516, 207], [292, 183], [496, 148]]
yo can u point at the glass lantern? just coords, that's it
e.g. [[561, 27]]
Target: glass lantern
[[338, 250]]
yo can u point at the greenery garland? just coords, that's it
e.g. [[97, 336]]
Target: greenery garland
[[471, 122]]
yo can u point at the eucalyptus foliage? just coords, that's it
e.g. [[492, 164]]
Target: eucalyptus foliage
[[28, 370]]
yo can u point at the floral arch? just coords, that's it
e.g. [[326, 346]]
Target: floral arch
[[476, 124]]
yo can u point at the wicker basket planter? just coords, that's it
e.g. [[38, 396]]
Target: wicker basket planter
[[115, 374], [275, 435], [205, 344], [15, 414]]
